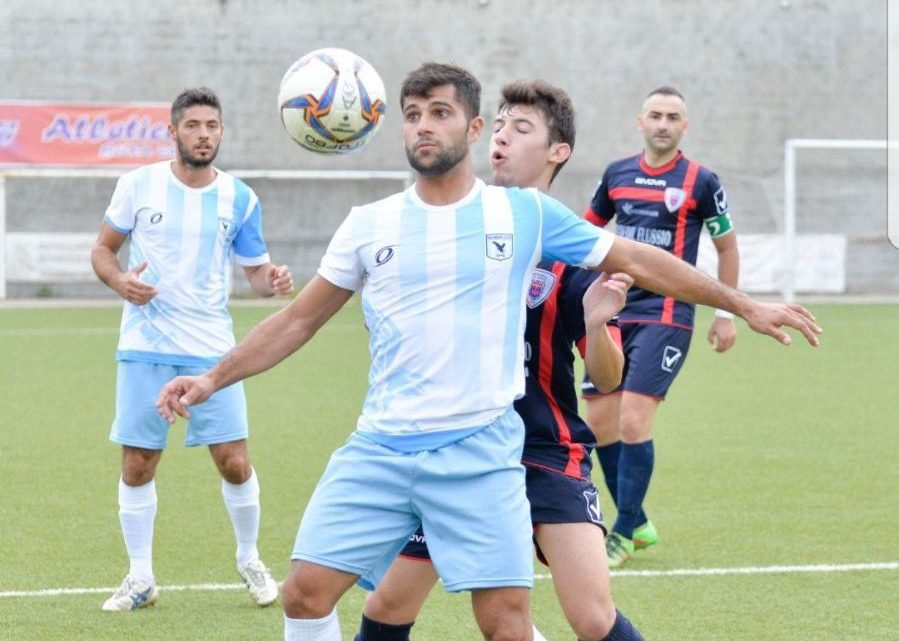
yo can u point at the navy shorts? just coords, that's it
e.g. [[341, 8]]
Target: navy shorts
[[653, 355], [554, 498]]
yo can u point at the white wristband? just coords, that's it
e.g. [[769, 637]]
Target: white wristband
[[720, 313]]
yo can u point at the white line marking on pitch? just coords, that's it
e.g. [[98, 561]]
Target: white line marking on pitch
[[768, 569], [771, 569]]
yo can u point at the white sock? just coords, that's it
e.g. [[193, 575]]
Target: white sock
[[137, 511], [242, 502], [325, 629], [537, 635]]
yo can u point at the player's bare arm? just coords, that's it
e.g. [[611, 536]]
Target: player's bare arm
[[659, 271], [723, 332], [269, 280], [603, 358], [267, 344], [105, 261]]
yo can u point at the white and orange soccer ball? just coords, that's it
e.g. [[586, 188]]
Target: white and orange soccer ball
[[332, 101]]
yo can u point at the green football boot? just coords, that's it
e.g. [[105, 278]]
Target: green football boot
[[645, 536], [618, 550]]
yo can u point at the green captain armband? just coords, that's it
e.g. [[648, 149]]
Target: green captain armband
[[719, 225]]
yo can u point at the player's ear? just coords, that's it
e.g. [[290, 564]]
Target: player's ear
[[559, 152], [475, 127], [171, 129]]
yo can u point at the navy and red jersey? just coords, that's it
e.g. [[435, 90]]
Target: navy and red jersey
[[662, 206], [556, 438]]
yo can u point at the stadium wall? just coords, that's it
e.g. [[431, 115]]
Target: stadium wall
[[754, 72]]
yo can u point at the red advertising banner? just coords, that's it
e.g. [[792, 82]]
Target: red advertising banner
[[45, 133]]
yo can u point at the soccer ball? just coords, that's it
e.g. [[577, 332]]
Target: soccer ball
[[332, 101]]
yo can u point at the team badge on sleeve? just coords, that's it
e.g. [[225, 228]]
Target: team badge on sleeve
[[542, 283], [674, 198], [721, 201], [499, 246]]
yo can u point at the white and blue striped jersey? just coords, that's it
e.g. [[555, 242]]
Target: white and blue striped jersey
[[188, 237], [443, 294]]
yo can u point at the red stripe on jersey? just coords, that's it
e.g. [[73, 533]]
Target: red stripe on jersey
[[582, 346], [637, 193], [592, 217], [681, 232], [655, 171], [545, 374]]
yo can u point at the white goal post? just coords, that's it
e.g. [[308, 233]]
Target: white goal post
[[789, 220], [268, 174]]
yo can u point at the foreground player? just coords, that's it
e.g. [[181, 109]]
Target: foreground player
[[185, 219], [661, 198], [444, 268], [533, 137]]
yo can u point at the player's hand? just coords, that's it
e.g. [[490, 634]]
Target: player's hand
[[280, 280], [180, 393], [130, 287], [768, 318], [605, 297], [722, 334]]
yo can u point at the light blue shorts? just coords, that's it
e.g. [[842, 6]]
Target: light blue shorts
[[469, 495], [221, 419]]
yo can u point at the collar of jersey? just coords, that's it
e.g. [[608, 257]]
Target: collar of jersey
[[467, 198], [218, 175]]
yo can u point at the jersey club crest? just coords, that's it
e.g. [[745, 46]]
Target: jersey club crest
[[674, 198], [499, 246], [542, 283]]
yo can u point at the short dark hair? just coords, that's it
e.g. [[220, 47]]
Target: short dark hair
[[552, 102], [191, 98], [431, 75], [666, 90]]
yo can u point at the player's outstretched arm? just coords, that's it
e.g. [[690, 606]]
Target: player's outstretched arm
[[723, 332], [105, 261], [603, 359], [267, 344], [659, 271]]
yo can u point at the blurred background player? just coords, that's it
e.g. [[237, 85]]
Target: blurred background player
[[533, 137], [662, 198], [185, 220]]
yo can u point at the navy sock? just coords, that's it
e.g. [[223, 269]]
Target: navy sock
[[608, 456], [371, 630], [634, 473], [623, 630]]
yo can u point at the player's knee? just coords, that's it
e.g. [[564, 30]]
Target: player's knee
[[635, 428], [234, 467], [381, 607], [138, 467], [507, 624], [302, 601]]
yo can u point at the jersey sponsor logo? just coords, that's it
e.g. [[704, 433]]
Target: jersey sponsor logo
[[156, 218], [648, 235], [499, 246], [721, 201], [674, 198], [630, 210], [384, 254], [670, 358], [542, 283], [592, 499], [650, 182]]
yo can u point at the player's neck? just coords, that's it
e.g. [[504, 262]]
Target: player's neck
[[447, 188], [656, 160], [195, 177]]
